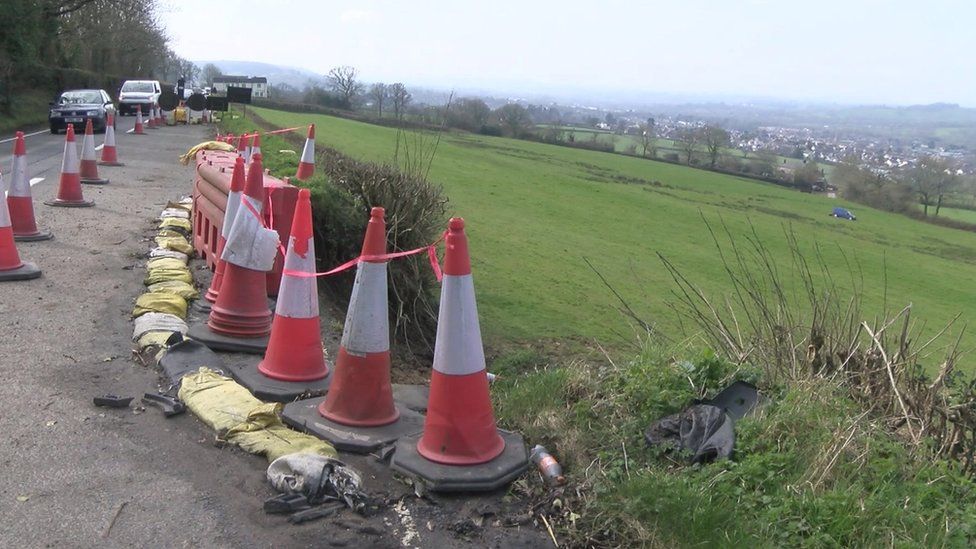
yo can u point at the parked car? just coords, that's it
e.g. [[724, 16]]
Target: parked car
[[76, 107], [844, 213], [138, 93]]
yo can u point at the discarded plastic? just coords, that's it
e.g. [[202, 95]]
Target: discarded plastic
[[112, 401], [548, 466], [318, 478], [169, 405]]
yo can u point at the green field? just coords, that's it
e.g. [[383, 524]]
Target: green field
[[958, 214], [534, 211]]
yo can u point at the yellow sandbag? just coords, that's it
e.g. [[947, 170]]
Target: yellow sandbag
[[160, 303], [156, 276], [172, 231], [177, 243], [165, 263], [207, 145], [153, 338], [175, 287], [175, 222], [243, 420]]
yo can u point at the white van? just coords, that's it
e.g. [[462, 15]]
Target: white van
[[144, 93]]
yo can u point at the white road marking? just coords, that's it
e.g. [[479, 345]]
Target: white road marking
[[25, 135], [130, 131]]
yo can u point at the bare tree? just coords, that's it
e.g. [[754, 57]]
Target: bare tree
[[931, 180], [513, 118], [344, 82], [715, 139], [378, 93], [688, 142], [209, 72], [647, 138], [400, 97]]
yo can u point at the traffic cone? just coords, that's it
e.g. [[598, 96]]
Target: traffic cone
[[294, 364], [306, 166], [139, 124], [460, 448], [11, 266], [69, 190], [88, 169], [247, 149], [240, 145], [233, 203], [358, 414], [240, 320], [160, 119], [255, 145], [20, 204], [110, 155], [151, 118]]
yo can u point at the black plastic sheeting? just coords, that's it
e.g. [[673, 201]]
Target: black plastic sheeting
[[706, 430]]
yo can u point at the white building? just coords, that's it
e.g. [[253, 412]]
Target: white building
[[258, 85]]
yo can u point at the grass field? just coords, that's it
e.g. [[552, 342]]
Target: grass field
[[959, 214], [535, 211]]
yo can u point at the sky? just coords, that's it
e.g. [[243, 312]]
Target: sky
[[893, 52]]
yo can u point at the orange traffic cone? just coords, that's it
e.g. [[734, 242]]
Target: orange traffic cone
[[294, 364], [11, 267], [240, 320], [240, 146], [69, 189], [255, 145], [460, 448], [359, 414], [20, 204], [160, 119], [230, 212], [88, 170], [306, 166], [247, 149], [139, 123], [110, 156]]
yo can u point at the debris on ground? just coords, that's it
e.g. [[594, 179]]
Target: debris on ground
[[169, 405], [319, 478], [112, 401]]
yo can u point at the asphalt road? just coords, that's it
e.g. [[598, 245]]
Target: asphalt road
[[79, 476]]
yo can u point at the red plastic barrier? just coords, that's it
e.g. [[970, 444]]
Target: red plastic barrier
[[210, 188]]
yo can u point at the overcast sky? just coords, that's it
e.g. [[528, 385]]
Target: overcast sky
[[864, 51]]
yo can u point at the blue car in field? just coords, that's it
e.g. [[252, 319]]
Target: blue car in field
[[844, 213]]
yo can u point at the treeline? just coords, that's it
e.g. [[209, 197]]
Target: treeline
[[932, 183], [50, 45]]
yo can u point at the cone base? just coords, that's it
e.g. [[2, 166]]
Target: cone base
[[34, 237], [304, 416], [201, 332], [265, 388], [94, 181], [202, 306], [113, 163], [484, 477], [70, 203], [27, 271], [187, 357]]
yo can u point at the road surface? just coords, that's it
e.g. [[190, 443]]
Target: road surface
[[79, 476]]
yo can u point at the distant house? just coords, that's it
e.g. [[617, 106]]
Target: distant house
[[258, 84]]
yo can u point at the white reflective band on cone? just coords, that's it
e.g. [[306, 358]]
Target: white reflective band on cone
[[19, 182], [109, 136], [297, 297], [250, 245], [367, 328], [69, 164], [4, 212], [308, 153], [230, 213], [458, 350], [88, 147]]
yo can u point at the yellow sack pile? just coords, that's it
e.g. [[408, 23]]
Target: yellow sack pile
[[160, 303], [165, 263], [206, 145], [242, 420], [175, 222], [156, 276], [177, 243], [175, 287]]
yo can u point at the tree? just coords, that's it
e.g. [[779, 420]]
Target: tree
[[807, 175], [378, 93], [400, 98], [932, 179], [209, 72], [715, 139], [344, 83], [513, 118], [688, 142], [469, 113], [647, 138]]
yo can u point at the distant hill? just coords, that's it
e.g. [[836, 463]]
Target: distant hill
[[276, 74]]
